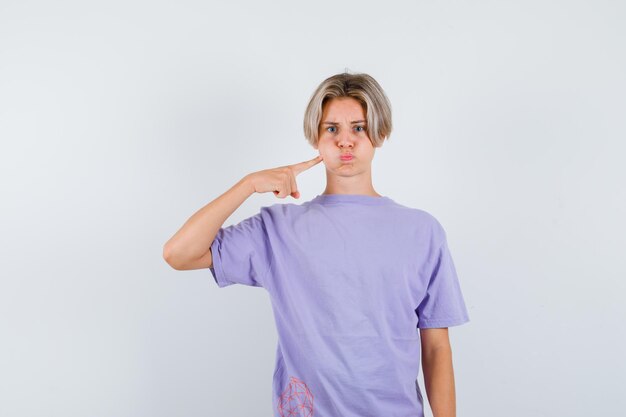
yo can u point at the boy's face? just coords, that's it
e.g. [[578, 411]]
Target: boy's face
[[342, 131]]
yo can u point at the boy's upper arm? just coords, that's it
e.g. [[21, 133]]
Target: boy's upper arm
[[205, 261], [241, 253], [433, 338], [443, 304]]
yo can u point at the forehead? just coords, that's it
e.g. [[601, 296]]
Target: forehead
[[343, 106]]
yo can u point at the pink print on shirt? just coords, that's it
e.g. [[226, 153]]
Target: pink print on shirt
[[296, 400]]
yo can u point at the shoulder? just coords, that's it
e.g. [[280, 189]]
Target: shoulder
[[417, 215], [280, 212], [429, 219], [282, 208], [423, 223]]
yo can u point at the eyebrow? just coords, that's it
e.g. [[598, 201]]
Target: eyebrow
[[335, 123]]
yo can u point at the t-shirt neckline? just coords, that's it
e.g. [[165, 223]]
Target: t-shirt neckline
[[351, 198]]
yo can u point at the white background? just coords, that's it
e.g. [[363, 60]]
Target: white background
[[120, 119]]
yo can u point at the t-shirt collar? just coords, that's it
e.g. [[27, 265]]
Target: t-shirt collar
[[351, 198]]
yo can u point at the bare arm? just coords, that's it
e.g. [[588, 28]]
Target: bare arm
[[190, 247], [438, 371]]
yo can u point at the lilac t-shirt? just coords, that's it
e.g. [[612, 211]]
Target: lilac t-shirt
[[351, 278]]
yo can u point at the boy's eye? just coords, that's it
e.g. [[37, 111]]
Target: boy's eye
[[358, 128]]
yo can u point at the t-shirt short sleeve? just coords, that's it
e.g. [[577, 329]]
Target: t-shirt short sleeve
[[443, 304], [241, 253]]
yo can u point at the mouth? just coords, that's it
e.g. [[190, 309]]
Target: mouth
[[346, 157]]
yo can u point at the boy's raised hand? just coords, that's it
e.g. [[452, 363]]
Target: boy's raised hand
[[282, 180]]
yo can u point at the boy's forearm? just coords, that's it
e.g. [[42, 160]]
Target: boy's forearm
[[194, 238], [439, 381]]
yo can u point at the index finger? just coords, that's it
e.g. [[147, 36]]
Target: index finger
[[302, 166]]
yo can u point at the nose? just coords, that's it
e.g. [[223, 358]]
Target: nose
[[345, 141]]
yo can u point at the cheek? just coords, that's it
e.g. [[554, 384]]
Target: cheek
[[324, 145]]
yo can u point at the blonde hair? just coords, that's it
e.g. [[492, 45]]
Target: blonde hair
[[359, 86]]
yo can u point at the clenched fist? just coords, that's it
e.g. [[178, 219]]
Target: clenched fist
[[282, 180]]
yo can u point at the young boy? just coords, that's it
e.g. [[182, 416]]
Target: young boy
[[351, 274]]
